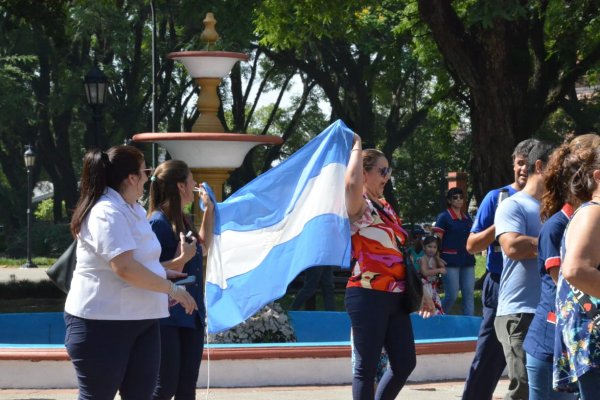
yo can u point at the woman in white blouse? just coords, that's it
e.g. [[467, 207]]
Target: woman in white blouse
[[119, 288]]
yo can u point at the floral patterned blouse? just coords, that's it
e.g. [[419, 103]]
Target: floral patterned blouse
[[577, 342], [378, 263]]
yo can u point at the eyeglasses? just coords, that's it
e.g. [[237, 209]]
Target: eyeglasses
[[457, 197], [385, 172], [148, 171]]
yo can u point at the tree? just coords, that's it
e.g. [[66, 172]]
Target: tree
[[520, 61], [363, 57]]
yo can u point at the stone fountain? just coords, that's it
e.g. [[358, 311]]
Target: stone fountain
[[211, 153]]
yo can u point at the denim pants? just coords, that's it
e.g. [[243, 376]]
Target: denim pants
[[112, 355], [378, 320], [313, 278], [488, 363], [455, 278], [181, 353], [589, 385], [539, 375], [511, 331]]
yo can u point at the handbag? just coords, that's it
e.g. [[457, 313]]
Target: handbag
[[61, 272], [413, 289]]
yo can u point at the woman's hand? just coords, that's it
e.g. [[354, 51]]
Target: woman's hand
[[181, 296], [172, 274], [427, 306], [206, 200], [185, 249]]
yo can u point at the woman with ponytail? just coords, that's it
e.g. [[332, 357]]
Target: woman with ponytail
[[119, 288], [182, 335]]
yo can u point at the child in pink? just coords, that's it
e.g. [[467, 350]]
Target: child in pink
[[431, 267]]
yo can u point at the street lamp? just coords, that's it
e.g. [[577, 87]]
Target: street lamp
[[96, 85], [29, 157]]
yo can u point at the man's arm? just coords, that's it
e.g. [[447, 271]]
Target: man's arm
[[479, 241], [517, 246]]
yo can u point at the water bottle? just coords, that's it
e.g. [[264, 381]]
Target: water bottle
[[502, 195]]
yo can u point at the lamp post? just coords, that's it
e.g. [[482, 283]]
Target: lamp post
[[29, 157], [96, 85]]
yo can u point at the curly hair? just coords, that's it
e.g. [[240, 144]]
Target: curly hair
[[568, 174]]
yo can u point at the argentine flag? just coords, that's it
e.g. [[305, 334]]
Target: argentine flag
[[286, 220]]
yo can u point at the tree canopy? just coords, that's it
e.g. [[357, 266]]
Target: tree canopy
[[438, 85]]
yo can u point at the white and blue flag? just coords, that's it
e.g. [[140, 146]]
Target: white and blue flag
[[288, 219]]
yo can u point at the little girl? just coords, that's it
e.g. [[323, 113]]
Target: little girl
[[431, 267]]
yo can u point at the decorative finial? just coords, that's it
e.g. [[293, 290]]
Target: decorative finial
[[209, 35]]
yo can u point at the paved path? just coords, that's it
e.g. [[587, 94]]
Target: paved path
[[422, 391], [8, 274]]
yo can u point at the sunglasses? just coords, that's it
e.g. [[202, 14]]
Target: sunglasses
[[457, 197], [384, 172], [148, 172]]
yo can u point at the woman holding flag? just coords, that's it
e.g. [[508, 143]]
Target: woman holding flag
[[374, 294], [172, 188]]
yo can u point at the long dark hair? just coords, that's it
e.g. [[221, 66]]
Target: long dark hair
[[102, 170], [164, 194]]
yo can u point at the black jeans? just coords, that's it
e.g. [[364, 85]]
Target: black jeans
[[181, 353], [111, 356], [378, 320]]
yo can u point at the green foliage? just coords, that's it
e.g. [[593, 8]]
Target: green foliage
[[30, 289], [440, 145], [47, 239], [43, 211], [17, 262]]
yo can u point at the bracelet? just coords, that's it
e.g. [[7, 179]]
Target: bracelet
[[356, 150], [172, 289]]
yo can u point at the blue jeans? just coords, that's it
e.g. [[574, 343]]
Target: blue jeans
[[313, 278], [181, 353], [539, 377], [589, 385], [455, 278], [488, 363], [112, 355], [378, 320]]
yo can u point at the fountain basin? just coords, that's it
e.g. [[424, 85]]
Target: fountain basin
[[208, 150], [208, 64], [31, 346]]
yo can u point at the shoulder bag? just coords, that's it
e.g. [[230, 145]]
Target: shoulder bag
[[61, 272]]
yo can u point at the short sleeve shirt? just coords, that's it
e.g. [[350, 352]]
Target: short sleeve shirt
[[539, 341], [170, 243], [454, 229], [519, 290], [378, 263], [111, 228], [484, 219]]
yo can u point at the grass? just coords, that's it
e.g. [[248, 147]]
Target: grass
[[17, 262]]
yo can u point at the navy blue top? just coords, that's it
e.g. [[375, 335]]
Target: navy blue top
[[484, 219], [454, 229], [539, 341], [169, 242]]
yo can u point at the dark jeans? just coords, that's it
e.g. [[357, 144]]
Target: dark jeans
[[181, 354], [378, 321], [313, 278], [488, 363], [111, 356]]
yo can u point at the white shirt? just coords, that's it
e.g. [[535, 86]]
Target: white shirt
[[113, 227]]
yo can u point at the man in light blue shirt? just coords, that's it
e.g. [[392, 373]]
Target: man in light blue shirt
[[518, 225]]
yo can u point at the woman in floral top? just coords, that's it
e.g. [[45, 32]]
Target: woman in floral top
[[374, 294], [577, 346]]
